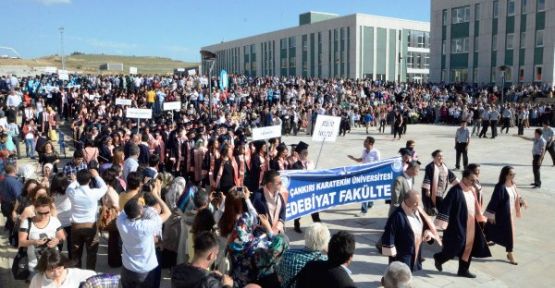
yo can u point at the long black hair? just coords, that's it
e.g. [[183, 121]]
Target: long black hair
[[504, 173]]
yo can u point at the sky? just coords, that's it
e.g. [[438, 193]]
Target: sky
[[167, 28]]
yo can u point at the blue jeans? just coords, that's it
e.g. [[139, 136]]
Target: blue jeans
[[30, 147], [365, 205]]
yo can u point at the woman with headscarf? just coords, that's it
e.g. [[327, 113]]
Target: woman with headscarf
[[437, 178]]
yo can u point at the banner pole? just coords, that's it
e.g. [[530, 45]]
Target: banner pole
[[320, 153]]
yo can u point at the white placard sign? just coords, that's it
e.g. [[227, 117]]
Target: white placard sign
[[138, 113], [192, 72], [133, 70], [266, 132], [175, 105], [63, 74], [123, 101], [326, 128]]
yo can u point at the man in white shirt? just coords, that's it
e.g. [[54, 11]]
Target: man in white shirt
[[14, 100], [84, 207], [137, 226], [131, 164], [369, 155]]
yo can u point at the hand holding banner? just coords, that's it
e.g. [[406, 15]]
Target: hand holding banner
[[318, 190]]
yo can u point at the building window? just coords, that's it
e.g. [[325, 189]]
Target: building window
[[459, 45], [476, 44], [538, 73], [292, 42], [522, 40], [475, 75], [508, 74], [444, 75], [444, 17], [541, 5], [495, 9], [443, 47], [510, 7], [521, 74], [539, 38], [494, 43], [524, 6], [510, 41], [459, 75], [460, 15], [493, 74], [477, 11]]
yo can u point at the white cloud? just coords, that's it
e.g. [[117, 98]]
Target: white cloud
[[54, 2]]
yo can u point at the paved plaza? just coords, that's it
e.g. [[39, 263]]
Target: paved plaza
[[534, 247]]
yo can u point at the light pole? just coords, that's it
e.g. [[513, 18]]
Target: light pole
[[210, 59], [503, 69], [400, 67], [61, 29]]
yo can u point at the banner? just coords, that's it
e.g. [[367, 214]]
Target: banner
[[175, 105], [318, 190], [123, 101], [266, 132], [191, 72], [133, 70], [224, 80], [326, 128], [138, 113], [63, 74]]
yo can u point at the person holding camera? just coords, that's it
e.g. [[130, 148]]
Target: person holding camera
[[40, 232], [502, 211], [138, 226]]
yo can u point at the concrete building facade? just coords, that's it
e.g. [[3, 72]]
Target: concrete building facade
[[331, 46], [484, 41]]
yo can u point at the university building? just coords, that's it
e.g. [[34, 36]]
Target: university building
[[488, 41], [331, 46]]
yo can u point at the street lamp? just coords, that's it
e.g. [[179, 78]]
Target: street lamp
[[61, 29], [210, 59], [400, 67], [503, 69]]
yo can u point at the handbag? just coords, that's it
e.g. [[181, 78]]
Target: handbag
[[107, 219], [53, 135], [20, 266]]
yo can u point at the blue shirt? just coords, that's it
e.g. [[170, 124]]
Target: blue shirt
[[137, 235], [10, 189]]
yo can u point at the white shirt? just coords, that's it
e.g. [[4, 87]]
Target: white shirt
[[84, 201], [74, 277], [35, 233], [63, 207], [13, 101], [139, 252], [370, 156], [130, 165]]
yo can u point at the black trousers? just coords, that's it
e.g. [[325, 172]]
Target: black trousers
[[84, 238], [461, 149], [506, 125], [493, 128], [463, 265], [536, 165], [315, 218], [520, 126], [550, 148], [485, 125]]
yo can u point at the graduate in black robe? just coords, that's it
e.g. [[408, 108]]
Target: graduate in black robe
[[462, 237], [503, 208], [400, 240], [257, 168]]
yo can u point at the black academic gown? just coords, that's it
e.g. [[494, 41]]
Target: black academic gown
[[502, 231], [253, 182], [398, 233], [453, 210]]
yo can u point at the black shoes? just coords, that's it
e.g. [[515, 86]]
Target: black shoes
[[466, 274], [437, 263]]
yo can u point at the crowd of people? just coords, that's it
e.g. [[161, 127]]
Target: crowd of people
[[186, 190]]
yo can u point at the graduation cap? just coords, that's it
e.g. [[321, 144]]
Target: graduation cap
[[301, 146]]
